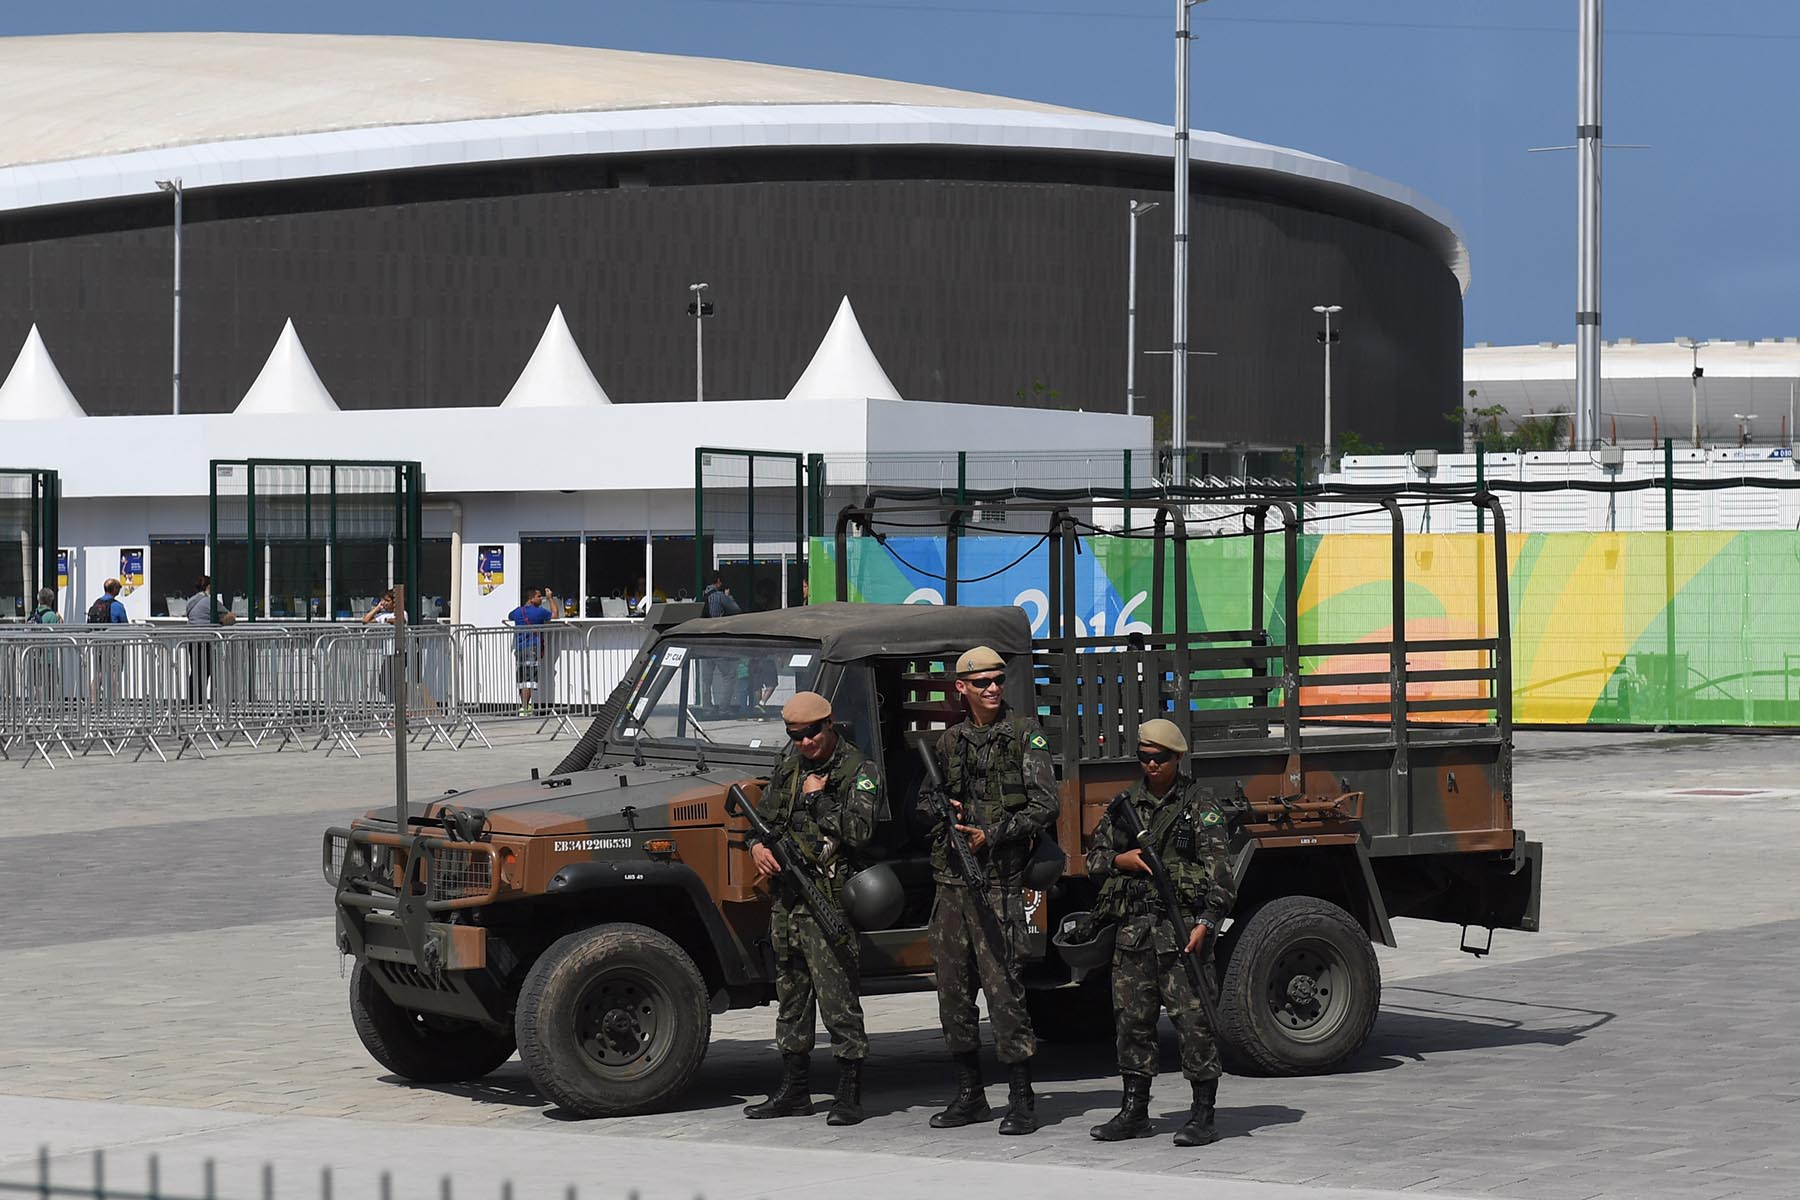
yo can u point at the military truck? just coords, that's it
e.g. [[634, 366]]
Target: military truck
[[597, 917]]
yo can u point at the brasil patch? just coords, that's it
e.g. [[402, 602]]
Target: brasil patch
[[864, 784], [1211, 818], [1037, 741]]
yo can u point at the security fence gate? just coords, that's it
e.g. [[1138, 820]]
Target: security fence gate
[[750, 525], [313, 540]]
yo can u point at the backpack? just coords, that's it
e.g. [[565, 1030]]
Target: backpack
[[39, 613], [100, 611]]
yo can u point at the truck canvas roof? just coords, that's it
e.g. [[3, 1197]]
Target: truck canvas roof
[[847, 632]]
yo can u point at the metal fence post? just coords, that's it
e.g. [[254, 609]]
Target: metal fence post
[[1480, 486]]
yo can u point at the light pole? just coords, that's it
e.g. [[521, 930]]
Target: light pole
[[1694, 344], [1178, 324], [1138, 209], [1744, 435], [1327, 337], [173, 187], [699, 308], [1587, 230]]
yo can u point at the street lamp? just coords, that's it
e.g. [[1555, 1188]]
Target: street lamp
[[1328, 337], [1138, 209], [1694, 344], [699, 308], [173, 187], [1178, 325]]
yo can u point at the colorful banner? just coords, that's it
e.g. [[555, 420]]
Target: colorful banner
[[62, 569], [131, 570], [490, 568], [1689, 628]]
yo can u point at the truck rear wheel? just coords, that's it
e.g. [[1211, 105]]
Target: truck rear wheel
[[1301, 989], [419, 1046], [613, 1021]]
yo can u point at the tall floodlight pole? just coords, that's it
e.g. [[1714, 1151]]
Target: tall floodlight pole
[[699, 309], [1178, 325], [1138, 209], [173, 187], [1694, 344], [1327, 337], [1587, 232]]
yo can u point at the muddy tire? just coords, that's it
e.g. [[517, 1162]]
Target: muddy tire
[[1301, 989], [423, 1047], [1073, 1015], [613, 1021]]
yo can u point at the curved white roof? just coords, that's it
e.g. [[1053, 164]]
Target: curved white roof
[[101, 116]]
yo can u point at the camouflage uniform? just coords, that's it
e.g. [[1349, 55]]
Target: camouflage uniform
[[810, 973], [1002, 775], [1191, 835]]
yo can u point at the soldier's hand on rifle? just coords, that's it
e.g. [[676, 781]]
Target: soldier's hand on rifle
[[977, 837], [1131, 860], [1195, 938], [814, 783], [766, 866]]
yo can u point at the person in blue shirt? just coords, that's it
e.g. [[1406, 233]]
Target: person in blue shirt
[[528, 648], [107, 610]]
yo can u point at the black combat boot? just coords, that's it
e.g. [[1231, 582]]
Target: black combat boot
[[970, 1104], [1133, 1118], [1199, 1129], [793, 1098], [846, 1109], [1021, 1104]]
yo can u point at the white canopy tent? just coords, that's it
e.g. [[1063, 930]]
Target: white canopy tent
[[843, 367], [556, 376], [34, 389], [287, 382]]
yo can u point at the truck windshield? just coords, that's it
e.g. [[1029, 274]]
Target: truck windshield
[[719, 693]]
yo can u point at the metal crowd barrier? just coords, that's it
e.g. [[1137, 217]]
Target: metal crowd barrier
[[171, 690]]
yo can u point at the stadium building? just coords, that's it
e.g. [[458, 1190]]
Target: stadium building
[[417, 208]]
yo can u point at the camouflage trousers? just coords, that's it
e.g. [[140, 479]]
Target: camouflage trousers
[[965, 958], [1144, 983], [812, 980]]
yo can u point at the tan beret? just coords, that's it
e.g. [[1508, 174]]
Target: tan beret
[[1163, 733], [981, 658], [805, 708]]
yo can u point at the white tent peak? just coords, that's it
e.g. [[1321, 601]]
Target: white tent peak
[[287, 382], [843, 367], [556, 375], [34, 389]]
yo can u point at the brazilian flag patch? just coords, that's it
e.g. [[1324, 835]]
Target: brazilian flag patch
[[864, 784], [1037, 741], [1211, 818]]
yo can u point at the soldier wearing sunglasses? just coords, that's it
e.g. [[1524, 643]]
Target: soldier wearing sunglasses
[[1189, 830], [825, 797], [999, 778]]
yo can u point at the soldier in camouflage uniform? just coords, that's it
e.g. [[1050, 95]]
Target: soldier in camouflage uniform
[[1189, 831], [825, 797], [998, 774]]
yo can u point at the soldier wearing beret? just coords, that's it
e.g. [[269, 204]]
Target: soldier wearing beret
[[1188, 829], [999, 778], [825, 797]]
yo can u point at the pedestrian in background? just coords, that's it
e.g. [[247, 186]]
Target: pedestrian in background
[[528, 648], [45, 612]]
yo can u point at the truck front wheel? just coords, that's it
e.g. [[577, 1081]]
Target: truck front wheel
[[419, 1046], [613, 1021], [1300, 990]]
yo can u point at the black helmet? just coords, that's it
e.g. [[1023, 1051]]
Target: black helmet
[[1046, 864], [1085, 945], [873, 898]]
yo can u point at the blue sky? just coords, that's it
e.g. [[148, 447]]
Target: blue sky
[[1445, 96]]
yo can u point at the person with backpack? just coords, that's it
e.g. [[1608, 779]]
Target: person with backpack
[[45, 613], [108, 609]]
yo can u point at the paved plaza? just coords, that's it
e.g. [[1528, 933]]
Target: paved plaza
[[171, 987]]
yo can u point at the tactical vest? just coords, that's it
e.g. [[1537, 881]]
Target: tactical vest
[[790, 812], [1000, 759]]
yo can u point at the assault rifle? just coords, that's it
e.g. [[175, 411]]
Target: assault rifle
[[962, 856], [796, 871], [1165, 889]]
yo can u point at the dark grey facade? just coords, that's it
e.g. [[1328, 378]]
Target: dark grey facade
[[974, 275]]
